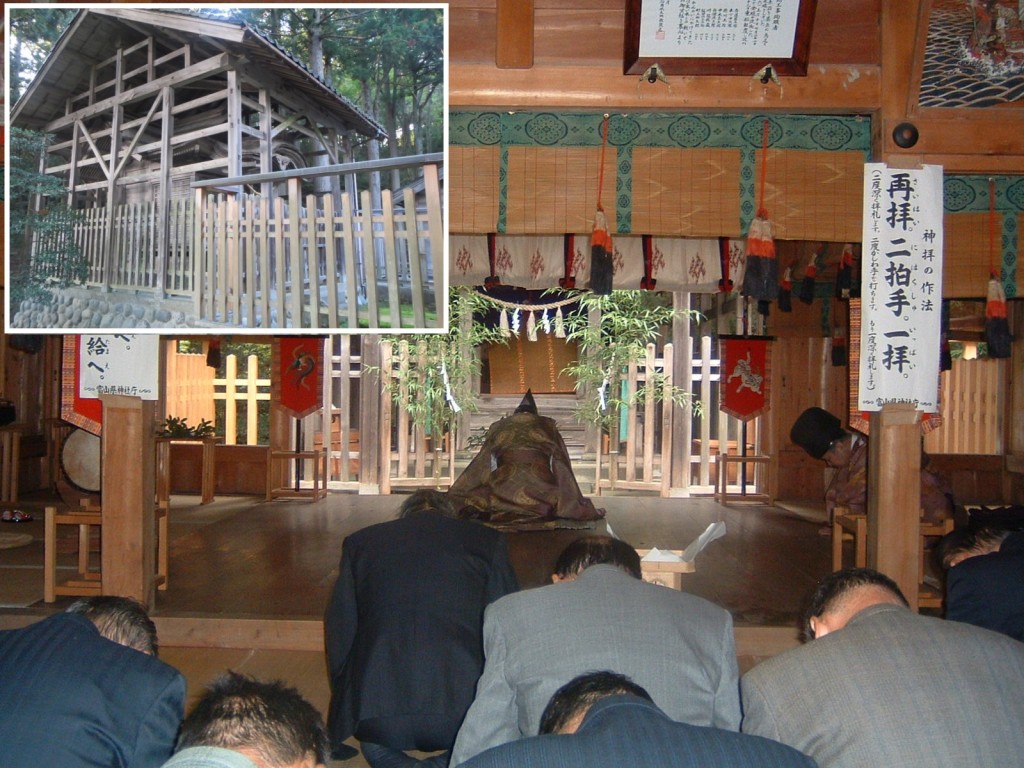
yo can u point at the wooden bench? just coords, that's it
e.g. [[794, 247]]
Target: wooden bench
[[845, 522], [89, 581], [722, 493], [319, 487]]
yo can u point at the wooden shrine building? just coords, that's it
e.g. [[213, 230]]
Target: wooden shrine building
[[187, 144]]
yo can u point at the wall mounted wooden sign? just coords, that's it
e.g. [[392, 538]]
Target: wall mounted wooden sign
[[718, 37]]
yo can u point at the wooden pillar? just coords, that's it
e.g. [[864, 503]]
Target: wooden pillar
[[370, 416], [110, 235], [163, 213], [281, 435], [129, 489], [894, 496], [682, 371]]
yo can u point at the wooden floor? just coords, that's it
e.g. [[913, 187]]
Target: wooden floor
[[249, 579]]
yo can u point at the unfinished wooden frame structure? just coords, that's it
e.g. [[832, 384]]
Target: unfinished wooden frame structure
[[146, 106]]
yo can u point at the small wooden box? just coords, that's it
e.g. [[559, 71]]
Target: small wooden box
[[667, 574]]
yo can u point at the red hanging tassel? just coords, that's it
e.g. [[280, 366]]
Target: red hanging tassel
[[806, 294], [786, 291], [647, 282], [568, 282], [844, 274], [761, 278], [725, 284], [492, 279], [997, 327], [839, 356], [602, 269]]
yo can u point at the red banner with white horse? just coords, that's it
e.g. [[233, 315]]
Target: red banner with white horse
[[745, 376]]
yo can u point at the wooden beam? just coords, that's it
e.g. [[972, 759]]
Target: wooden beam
[[197, 71], [514, 34], [894, 503], [166, 187], [221, 30], [129, 489], [833, 89]]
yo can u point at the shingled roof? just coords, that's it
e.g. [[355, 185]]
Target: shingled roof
[[87, 41]]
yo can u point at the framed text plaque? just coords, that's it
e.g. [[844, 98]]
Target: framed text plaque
[[718, 37]]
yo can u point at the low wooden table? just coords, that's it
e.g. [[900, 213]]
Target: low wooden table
[[163, 467], [665, 573]]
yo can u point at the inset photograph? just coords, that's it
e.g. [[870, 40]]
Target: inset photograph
[[252, 169]]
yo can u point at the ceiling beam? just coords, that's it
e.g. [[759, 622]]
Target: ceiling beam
[[514, 48], [837, 89]]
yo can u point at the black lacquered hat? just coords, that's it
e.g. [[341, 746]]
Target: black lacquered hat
[[815, 430]]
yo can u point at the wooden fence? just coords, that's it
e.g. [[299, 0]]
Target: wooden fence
[[189, 390], [409, 457], [131, 262], [641, 459], [320, 261], [971, 399], [334, 426], [250, 390]]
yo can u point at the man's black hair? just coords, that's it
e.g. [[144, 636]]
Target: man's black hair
[[597, 550], [274, 720], [576, 697]]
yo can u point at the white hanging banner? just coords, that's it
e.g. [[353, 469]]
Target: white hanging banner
[[901, 287], [119, 365]]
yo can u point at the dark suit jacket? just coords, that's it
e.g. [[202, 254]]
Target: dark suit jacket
[[988, 590], [630, 731], [71, 698], [403, 628]]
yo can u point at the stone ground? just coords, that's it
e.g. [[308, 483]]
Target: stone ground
[[82, 309]]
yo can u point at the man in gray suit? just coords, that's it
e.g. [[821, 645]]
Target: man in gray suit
[[881, 685], [600, 614]]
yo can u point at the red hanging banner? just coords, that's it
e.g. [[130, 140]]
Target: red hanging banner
[[745, 374], [84, 412], [299, 373]]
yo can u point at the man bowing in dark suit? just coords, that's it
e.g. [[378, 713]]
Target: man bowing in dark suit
[[605, 720], [84, 689], [403, 628]]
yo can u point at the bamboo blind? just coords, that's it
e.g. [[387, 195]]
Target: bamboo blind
[[552, 190], [965, 263], [814, 195], [472, 179], [687, 192]]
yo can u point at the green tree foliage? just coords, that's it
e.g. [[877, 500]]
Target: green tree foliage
[[56, 259], [611, 332], [388, 60], [32, 35], [450, 364]]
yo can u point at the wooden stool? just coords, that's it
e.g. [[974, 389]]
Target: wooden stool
[[319, 489], [722, 462], [10, 459], [89, 581], [928, 596], [857, 525]]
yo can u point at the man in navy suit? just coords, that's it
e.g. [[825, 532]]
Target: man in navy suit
[[605, 719], [403, 628], [84, 689], [985, 578]]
